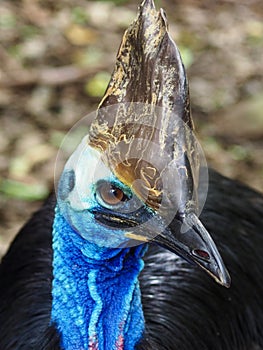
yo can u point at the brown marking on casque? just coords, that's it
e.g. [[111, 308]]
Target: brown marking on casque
[[146, 105]]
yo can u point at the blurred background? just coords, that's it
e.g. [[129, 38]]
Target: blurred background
[[55, 61]]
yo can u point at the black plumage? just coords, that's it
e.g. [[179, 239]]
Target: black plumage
[[196, 313], [184, 308]]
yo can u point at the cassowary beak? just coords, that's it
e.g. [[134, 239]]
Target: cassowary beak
[[189, 239], [144, 132]]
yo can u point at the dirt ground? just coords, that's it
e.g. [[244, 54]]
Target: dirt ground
[[56, 59]]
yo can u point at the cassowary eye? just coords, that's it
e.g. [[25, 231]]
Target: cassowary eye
[[107, 194]]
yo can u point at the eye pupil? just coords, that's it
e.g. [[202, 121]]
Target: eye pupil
[[111, 194], [117, 193]]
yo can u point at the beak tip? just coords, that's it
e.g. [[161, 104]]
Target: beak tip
[[224, 278], [207, 256], [219, 273]]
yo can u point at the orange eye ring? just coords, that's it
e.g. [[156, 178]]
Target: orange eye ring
[[110, 194]]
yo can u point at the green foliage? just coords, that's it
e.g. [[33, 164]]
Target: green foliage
[[20, 190], [187, 56], [96, 86], [79, 16], [29, 31], [239, 152], [7, 21]]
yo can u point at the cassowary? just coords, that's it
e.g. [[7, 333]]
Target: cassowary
[[104, 265]]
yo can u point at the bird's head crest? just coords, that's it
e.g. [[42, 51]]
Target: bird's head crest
[[143, 125]]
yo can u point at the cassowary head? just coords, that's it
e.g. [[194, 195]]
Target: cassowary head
[[135, 177]]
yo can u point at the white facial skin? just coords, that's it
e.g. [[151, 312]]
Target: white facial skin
[[89, 169], [78, 198]]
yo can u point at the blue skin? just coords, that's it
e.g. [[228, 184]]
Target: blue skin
[[96, 295]]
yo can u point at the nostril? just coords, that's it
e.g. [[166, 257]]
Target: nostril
[[201, 254]]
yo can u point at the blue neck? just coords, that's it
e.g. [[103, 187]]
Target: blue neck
[[96, 296]]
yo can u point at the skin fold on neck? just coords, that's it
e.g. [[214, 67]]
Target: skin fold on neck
[[96, 296]]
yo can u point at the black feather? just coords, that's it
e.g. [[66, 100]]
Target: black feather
[[184, 308], [25, 283]]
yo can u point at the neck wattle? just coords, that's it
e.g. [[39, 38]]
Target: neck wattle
[[96, 301]]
